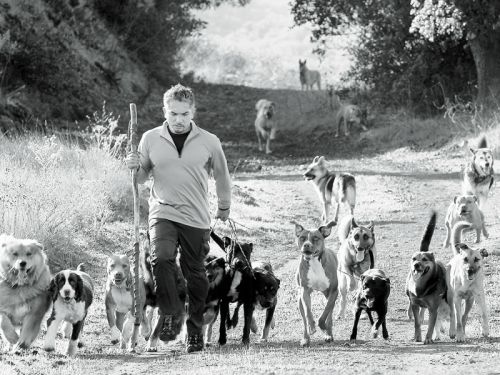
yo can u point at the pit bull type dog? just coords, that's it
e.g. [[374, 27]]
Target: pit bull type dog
[[479, 174], [466, 281], [465, 208], [317, 270], [428, 286], [357, 254], [265, 124], [330, 186], [372, 295]]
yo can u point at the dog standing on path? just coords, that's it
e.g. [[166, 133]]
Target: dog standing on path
[[330, 186], [265, 124], [479, 174], [467, 281], [428, 286], [317, 270]]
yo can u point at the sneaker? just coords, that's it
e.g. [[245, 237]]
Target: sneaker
[[194, 343], [171, 327]]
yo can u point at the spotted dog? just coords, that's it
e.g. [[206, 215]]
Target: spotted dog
[[317, 270], [357, 254], [428, 286], [478, 173], [72, 293], [338, 187]]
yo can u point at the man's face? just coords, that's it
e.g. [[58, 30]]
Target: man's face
[[178, 115]]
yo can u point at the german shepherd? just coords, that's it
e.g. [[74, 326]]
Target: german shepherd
[[329, 185], [479, 174], [308, 77]]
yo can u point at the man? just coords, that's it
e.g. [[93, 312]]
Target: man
[[179, 157]]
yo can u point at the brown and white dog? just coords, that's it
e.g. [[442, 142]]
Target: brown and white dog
[[465, 208], [265, 124], [466, 281], [338, 187], [72, 293], [479, 174], [428, 286], [24, 294], [317, 270], [357, 254]]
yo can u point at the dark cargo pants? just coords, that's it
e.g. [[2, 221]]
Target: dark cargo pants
[[165, 235]]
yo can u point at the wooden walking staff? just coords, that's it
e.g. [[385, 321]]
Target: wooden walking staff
[[137, 311]]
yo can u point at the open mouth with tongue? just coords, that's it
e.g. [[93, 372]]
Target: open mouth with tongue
[[419, 271], [360, 255]]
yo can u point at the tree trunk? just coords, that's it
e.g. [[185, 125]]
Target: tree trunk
[[486, 53]]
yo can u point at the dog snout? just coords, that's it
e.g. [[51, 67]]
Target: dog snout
[[22, 264], [307, 248]]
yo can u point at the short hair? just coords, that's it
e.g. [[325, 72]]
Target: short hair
[[180, 93]]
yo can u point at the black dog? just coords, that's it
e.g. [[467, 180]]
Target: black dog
[[219, 281], [266, 286], [372, 295], [242, 288]]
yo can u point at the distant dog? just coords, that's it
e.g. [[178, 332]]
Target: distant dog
[[479, 174], [119, 300], [465, 208], [372, 295], [317, 270], [308, 78], [357, 254], [427, 286], [24, 295], [265, 124], [348, 115], [466, 281], [219, 279], [266, 286], [338, 187], [72, 293]]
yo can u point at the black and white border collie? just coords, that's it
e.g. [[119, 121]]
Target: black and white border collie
[[72, 293]]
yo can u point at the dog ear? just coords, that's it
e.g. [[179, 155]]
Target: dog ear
[[461, 246], [370, 226], [227, 241], [472, 150], [475, 198], [315, 160], [321, 160], [298, 229], [54, 288], [484, 253], [325, 230], [79, 289], [353, 223], [430, 255], [456, 198]]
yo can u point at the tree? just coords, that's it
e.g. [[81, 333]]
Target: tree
[[401, 68], [479, 22]]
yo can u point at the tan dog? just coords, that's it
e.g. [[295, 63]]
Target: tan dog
[[265, 125], [24, 290], [466, 281], [479, 174], [317, 270], [330, 186], [465, 208], [349, 115], [119, 302], [427, 286], [357, 254], [308, 78]]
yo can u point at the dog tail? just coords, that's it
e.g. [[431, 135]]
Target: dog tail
[[219, 241], [81, 267], [349, 191], [482, 142], [429, 231], [456, 234]]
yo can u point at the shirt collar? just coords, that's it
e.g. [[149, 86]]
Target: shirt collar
[[165, 134]]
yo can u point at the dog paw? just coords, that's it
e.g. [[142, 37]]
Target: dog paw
[[374, 332], [312, 329], [48, 348], [305, 342], [460, 337], [151, 349], [222, 341], [428, 341], [263, 340], [328, 338], [114, 342]]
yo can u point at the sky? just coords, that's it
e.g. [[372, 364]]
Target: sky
[[264, 27]]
